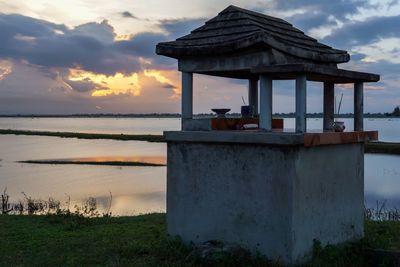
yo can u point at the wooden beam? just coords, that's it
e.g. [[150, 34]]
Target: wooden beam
[[329, 105], [253, 94], [301, 103], [358, 107], [265, 103], [187, 97]]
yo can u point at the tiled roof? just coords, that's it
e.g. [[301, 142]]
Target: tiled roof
[[237, 30]]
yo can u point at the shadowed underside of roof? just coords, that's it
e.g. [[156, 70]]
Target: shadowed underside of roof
[[235, 30]]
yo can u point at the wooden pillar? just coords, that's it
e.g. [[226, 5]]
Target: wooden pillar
[[265, 103], [329, 105], [253, 94], [187, 97], [301, 103], [358, 106]]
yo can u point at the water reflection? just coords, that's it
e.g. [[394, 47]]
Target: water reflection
[[93, 125], [134, 189], [137, 189], [133, 204], [105, 159], [382, 179]]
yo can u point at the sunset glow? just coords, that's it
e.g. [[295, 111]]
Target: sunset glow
[[108, 85], [5, 68], [124, 37], [93, 57], [163, 78]]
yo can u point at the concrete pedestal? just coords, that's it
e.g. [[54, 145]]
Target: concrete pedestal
[[274, 198]]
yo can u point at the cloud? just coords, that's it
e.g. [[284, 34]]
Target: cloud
[[102, 32], [143, 44], [92, 46], [365, 32], [127, 14], [27, 91], [175, 28], [107, 59], [89, 46], [5, 69], [384, 49], [90, 59], [169, 86], [85, 85], [340, 9]]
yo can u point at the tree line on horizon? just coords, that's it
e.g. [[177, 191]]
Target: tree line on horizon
[[394, 113]]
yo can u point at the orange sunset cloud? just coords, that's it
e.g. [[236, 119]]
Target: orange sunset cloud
[[119, 83]]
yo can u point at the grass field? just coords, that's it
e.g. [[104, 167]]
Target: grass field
[[382, 148], [60, 240]]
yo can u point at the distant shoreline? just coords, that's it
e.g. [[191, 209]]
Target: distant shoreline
[[373, 147], [119, 137], [176, 115]]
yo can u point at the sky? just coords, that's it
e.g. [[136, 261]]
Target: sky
[[86, 56]]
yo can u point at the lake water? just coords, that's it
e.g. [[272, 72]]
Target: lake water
[[137, 189]]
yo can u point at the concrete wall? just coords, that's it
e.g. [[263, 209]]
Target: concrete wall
[[274, 199], [328, 203]]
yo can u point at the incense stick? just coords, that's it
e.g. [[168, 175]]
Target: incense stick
[[340, 103], [244, 103]]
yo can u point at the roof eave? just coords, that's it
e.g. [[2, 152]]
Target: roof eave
[[174, 50], [316, 73]]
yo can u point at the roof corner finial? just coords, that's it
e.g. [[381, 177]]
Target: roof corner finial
[[229, 9]]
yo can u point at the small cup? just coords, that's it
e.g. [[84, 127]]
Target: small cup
[[339, 126], [247, 111]]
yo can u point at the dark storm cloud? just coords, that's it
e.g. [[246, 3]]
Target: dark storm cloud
[[14, 23], [143, 44], [365, 32], [90, 46], [179, 27], [317, 13], [305, 23], [169, 86], [127, 14], [102, 32], [85, 85], [173, 28]]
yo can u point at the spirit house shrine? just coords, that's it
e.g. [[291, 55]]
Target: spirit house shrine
[[266, 188]]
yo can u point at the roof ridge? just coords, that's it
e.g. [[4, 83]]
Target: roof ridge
[[249, 21], [233, 8]]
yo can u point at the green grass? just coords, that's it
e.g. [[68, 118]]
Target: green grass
[[382, 147], [75, 241], [383, 234], [120, 137], [379, 235], [60, 240]]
